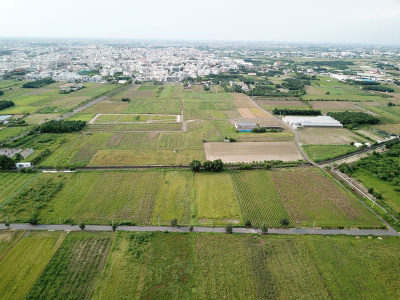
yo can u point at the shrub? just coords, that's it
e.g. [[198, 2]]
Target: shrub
[[114, 226], [229, 229], [7, 224], [284, 222], [191, 228], [33, 220], [264, 229], [82, 226], [174, 222], [247, 223]]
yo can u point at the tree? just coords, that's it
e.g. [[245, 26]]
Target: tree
[[195, 166], [33, 220], [264, 229], [247, 223], [284, 222], [191, 228], [229, 229], [82, 226], [218, 165], [6, 162], [7, 224], [208, 166], [114, 226], [174, 222], [18, 157]]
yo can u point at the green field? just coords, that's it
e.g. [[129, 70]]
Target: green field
[[10, 183], [24, 263], [320, 200], [260, 201], [216, 201], [319, 153], [212, 266], [75, 269], [387, 114]]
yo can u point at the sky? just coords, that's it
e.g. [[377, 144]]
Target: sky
[[298, 21]]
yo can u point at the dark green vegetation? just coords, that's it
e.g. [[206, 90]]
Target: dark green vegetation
[[38, 83], [359, 118], [61, 126], [296, 112], [6, 104], [378, 88], [145, 265], [6, 162], [380, 173]]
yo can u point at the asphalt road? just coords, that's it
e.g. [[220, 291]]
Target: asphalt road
[[289, 231]]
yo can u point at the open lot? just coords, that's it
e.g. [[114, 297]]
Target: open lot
[[325, 135], [249, 151], [334, 105], [253, 113]]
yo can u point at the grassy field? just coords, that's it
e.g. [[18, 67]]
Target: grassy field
[[320, 200], [260, 201], [387, 114], [389, 195], [75, 269], [8, 239], [24, 263], [216, 201], [212, 266], [7, 133], [10, 183], [319, 153], [153, 106]]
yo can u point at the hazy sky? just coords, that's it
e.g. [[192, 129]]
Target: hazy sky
[[347, 21]]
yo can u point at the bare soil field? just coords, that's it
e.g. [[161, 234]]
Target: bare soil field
[[253, 113], [242, 100], [333, 105], [281, 103], [252, 151], [312, 90], [328, 136]]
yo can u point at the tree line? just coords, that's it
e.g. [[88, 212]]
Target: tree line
[[296, 112], [6, 104], [38, 83], [379, 88], [61, 126], [359, 118], [208, 166]]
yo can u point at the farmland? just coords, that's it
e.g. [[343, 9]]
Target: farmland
[[321, 201], [328, 136], [10, 183], [249, 152], [24, 263], [260, 201], [319, 153], [81, 258]]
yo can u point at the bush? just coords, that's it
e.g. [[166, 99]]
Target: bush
[[33, 220], [114, 226], [6, 104], [61, 126], [229, 229], [174, 222], [247, 223], [82, 226], [284, 222], [264, 229], [7, 224], [191, 228]]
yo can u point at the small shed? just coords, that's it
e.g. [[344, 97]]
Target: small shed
[[23, 165]]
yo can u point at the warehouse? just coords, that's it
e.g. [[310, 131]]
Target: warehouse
[[319, 121]]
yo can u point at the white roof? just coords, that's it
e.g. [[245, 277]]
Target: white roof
[[312, 121]]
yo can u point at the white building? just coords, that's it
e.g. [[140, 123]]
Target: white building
[[319, 121]]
